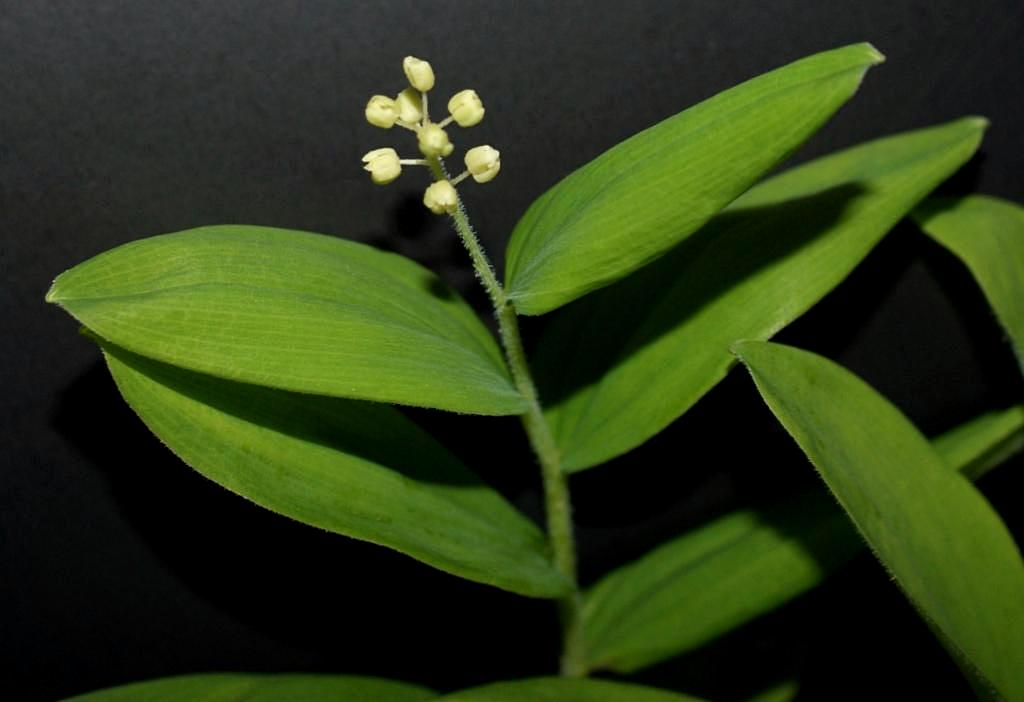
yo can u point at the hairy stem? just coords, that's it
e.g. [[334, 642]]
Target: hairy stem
[[556, 486]]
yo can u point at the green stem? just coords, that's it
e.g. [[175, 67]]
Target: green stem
[[556, 486]]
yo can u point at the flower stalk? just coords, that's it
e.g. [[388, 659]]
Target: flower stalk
[[409, 109]]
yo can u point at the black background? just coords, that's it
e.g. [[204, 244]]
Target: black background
[[120, 120]]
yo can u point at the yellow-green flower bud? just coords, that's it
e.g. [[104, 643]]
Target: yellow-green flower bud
[[383, 165], [483, 163], [381, 111], [466, 108], [419, 73], [410, 106], [440, 197], [434, 141]]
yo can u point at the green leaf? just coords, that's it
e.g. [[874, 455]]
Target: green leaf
[[242, 687], [940, 539], [983, 443], [714, 579], [643, 196], [565, 690], [294, 311], [987, 234], [620, 365], [354, 468]]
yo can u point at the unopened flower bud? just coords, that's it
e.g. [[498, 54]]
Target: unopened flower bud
[[381, 111], [383, 165], [410, 106], [419, 73], [466, 108], [434, 141], [440, 197], [483, 163]]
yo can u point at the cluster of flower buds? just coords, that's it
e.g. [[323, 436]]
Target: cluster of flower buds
[[409, 109]]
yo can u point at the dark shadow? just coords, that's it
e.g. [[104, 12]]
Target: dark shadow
[[438, 289], [989, 341], [927, 319], [833, 324], [635, 312], [407, 222], [415, 233], [1003, 487], [320, 602], [721, 454], [967, 178], [495, 449]]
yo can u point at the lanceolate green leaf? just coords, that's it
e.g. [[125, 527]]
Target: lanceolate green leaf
[[242, 687], [620, 365], [987, 234], [637, 200], [565, 690], [707, 582], [936, 534], [354, 468], [294, 311]]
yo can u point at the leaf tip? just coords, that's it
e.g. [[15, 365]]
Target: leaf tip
[[977, 122], [873, 55], [52, 295]]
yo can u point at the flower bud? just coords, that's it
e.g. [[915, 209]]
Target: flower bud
[[383, 165], [381, 111], [410, 107], [466, 108], [419, 73], [440, 197], [483, 163], [434, 141]]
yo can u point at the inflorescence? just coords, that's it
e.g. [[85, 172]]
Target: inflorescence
[[409, 110]]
